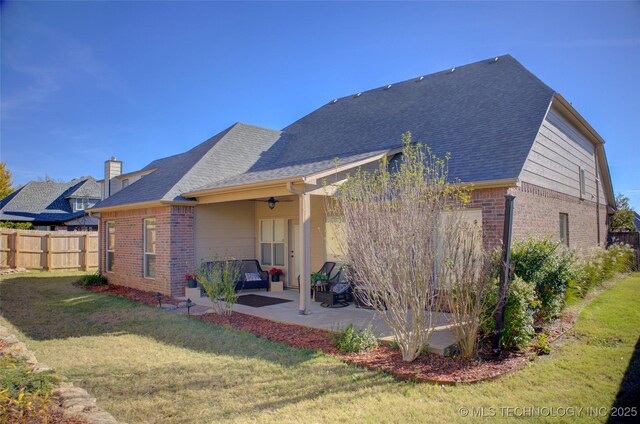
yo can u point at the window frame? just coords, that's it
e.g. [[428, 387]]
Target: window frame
[[564, 236], [272, 242], [110, 259], [145, 253], [582, 179]]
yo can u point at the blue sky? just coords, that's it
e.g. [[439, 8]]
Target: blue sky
[[83, 81]]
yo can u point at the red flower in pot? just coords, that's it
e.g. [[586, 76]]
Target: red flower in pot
[[275, 274]]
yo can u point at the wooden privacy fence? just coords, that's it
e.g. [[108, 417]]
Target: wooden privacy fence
[[48, 250]]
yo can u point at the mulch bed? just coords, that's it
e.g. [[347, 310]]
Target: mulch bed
[[426, 368], [290, 334], [140, 296]]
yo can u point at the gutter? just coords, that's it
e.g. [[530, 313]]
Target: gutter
[[149, 204], [242, 187]]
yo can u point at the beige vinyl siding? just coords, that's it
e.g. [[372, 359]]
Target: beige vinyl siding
[[558, 154], [225, 230]]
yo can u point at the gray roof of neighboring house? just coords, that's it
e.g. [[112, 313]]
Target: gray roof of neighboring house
[[486, 114], [636, 220], [90, 189], [47, 201]]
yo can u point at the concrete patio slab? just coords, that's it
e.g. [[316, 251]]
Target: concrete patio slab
[[335, 319]]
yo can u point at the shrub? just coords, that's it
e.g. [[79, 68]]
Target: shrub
[[352, 340], [598, 265], [549, 268], [541, 344], [96, 279], [16, 225], [519, 313], [392, 220], [464, 283], [24, 393], [218, 280]]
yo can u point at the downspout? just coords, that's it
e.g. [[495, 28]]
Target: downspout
[[597, 197], [293, 190]]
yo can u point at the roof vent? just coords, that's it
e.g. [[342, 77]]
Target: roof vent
[[495, 59], [387, 87], [334, 101], [452, 70], [420, 79], [358, 95]]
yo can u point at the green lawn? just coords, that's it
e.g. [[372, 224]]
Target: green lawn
[[146, 365]]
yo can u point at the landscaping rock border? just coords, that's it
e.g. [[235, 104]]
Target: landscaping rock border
[[75, 403]]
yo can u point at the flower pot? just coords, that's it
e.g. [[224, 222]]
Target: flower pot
[[192, 284], [275, 277]]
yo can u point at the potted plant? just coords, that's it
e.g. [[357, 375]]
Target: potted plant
[[192, 281], [275, 274], [318, 276]]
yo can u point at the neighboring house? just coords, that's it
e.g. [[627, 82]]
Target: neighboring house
[[506, 130], [52, 205], [636, 220]]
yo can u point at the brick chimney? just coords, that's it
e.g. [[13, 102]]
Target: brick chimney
[[112, 168]]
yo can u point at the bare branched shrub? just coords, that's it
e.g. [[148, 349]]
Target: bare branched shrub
[[218, 279], [391, 237], [464, 280]]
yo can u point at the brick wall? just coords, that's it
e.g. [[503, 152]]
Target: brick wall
[[492, 203], [174, 248], [537, 213]]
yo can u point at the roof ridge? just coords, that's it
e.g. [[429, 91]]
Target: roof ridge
[[221, 135], [409, 80]]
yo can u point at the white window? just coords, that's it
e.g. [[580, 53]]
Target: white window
[[79, 204], [111, 244], [272, 235], [150, 248], [125, 183], [333, 228], [583, 182], [564, 229]]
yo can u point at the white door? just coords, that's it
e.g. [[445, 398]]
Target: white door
[[294, 253]]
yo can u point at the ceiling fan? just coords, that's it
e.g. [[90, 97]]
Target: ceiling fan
[[271, 201]]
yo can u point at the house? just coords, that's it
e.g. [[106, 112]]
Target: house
[[251, 192], [50, 205]]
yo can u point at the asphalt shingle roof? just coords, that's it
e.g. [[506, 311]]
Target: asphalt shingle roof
[[47, 201], [231, 152], [486, 114]]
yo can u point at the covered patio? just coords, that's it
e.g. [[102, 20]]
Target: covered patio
[[335, 319]]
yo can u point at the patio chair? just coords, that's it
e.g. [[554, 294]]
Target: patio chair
[[250, 275], [327, 268], [339, 293]]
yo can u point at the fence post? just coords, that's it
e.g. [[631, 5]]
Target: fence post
[[85, 265], [47, 252], [16, 248]]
